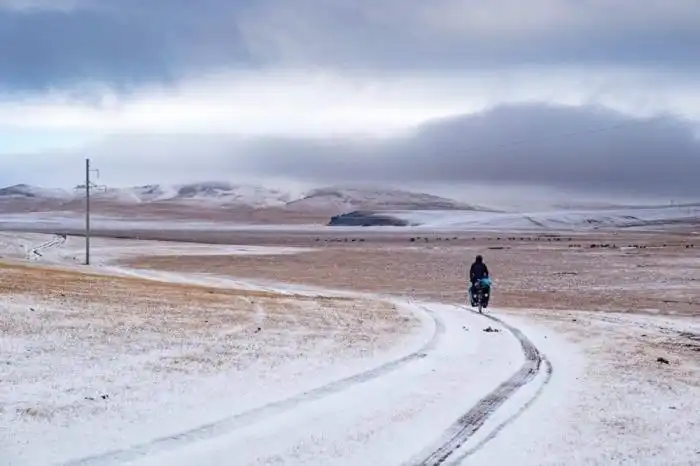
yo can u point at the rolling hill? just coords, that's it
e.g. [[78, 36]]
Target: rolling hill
[[217, 196]]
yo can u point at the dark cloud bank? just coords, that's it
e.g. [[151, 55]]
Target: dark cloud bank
[[123, 43], [573, 148]]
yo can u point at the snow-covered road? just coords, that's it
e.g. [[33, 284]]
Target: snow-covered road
[[417, 410]]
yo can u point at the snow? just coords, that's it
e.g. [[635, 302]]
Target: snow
[[76, 369], [608, 401], [361, 424], [118, 195], [530, 439], [385, 419], [18, 245], [351, 424], [104, 251], [58, 221], [227, 193], [155, 192], [82, 353], [211, 194], [25, 191], [143, 405], [220, 193], [550, 220], [423, 211], [207, 193], [420, 220], [306, 395], [348, 198]]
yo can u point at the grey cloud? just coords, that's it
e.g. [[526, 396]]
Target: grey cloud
[[128, 42], [574, 149], [472, 34], [584, 148], [123, 44]]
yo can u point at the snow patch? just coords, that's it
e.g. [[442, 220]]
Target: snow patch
[[551, 220]]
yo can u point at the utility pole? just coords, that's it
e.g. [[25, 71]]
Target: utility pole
[[88, 185], [87, 211]]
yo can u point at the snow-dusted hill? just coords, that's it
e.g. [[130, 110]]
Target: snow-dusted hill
[[25, 191], [232, 194], [154, 192], [115, 195], [329, 200], [207, 200], [550, 220], [213, 194], [338, 199]]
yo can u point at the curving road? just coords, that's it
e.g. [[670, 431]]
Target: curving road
[[464, 428], [422, 409]]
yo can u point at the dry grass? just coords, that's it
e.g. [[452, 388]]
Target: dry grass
[[631, 343], [210, 327], [624, 391], [56, 282], [86, 336], [564, 274]]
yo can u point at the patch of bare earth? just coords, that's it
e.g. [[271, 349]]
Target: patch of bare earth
[[77, 331], [647, 273]]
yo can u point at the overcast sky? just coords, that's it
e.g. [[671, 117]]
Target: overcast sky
[[596, 96]]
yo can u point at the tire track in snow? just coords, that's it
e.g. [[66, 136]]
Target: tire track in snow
[[56, 241], [504, 424], [469, 423], [245, 418]]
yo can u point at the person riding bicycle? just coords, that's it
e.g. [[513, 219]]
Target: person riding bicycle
[[477, 271]]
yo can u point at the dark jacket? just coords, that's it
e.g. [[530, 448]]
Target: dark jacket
[[478, 271]]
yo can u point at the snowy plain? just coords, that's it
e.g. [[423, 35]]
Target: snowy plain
[[609, 400], [549, 220], [59, 360], [419, 220], [604, 402], [65, 250]]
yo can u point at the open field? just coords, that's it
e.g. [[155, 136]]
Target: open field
[[190, 353], [620, 389], [106, 345], [211, 221], [641, 273]]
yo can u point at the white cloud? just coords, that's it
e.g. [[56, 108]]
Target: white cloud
[[321, 103]]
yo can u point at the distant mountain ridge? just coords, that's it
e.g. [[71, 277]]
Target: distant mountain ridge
[[217, 194], [26, 191], [348, 198]]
